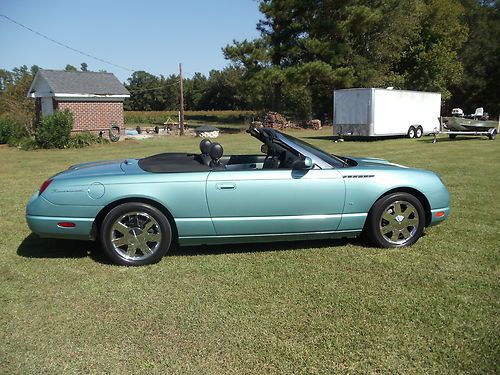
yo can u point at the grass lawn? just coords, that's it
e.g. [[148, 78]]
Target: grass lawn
[[304, 307]]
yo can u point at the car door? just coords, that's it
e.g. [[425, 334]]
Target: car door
[[275, 201]]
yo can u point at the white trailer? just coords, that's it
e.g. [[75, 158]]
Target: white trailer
[[370, 112]]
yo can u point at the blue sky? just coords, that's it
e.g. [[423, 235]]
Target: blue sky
[[146, 35]]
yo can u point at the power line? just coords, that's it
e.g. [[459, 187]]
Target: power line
[[65, 45], [155, 88]]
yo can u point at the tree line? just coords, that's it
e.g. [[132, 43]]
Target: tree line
[[308, 48]]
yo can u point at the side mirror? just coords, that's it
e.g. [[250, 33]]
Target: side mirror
[[305, 163]]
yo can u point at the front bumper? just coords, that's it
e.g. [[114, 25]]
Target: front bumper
[[438, 215]]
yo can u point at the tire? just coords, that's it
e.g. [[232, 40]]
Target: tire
[[125, 232], [114, 133], [419, 132], [492, 134], [401, 212], [411, 132], [452, 136]]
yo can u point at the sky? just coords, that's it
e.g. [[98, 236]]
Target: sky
[[150, 35]]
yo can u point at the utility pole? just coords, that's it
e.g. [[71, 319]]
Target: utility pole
[[181, 112]]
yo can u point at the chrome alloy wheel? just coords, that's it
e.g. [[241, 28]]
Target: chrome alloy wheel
[[399, 222], [135, 235]]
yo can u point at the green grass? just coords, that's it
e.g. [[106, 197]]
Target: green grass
[[305, 307]]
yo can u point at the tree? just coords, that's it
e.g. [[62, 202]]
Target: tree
[[430, 62], [194, 90], [70, 68], [84, 67], [223, 90], [13, 101], [151, 93], [308, 48], [480, 56], [280, 30], [142, 87], [6, 79]]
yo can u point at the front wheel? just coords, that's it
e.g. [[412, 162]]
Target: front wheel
[[396, 220], [135, 234], [419, 132]]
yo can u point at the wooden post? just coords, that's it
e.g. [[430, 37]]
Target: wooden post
[[181, 112]]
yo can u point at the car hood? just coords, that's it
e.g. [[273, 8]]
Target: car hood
[[98, 168], [370, 162]]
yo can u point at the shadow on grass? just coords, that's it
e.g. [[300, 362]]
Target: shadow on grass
[[334, 138], [262, 247], [47, 248], [231, 130], [457, 139]]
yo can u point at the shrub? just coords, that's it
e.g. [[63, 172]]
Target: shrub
[[85, 139], [27, 143], [54, 130], [10, 130]]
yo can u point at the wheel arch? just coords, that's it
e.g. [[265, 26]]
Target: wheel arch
[[104, 211], [417, 194]]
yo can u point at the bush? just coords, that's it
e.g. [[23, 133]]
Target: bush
[[54, 130], [85, 139], [10, 130], [27, 143]]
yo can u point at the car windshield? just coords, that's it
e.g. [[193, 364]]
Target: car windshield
[[331, 159]]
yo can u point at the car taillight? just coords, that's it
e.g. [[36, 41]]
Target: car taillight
[[44, 186]]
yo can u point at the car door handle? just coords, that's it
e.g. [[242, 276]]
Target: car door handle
[[226, 186]]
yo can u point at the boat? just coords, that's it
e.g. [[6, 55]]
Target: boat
[[477, 122]]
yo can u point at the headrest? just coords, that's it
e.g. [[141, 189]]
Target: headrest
[[205, 146], [216, 151]]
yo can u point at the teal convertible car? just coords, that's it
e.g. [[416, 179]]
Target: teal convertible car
[[139, 208]]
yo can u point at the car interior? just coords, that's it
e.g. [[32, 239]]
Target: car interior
[[211, 157]]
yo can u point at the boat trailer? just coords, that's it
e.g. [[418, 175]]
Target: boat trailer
[[490, 133]]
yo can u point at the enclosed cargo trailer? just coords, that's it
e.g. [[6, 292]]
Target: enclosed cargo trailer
[[371, 112]]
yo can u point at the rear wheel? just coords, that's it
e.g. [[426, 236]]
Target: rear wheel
[[419, 132], [411, 132], [135, 234], [396, 220]]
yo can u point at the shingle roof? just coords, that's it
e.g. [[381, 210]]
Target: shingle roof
[[98, 83]]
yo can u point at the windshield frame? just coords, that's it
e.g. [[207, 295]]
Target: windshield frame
[[315, 153]]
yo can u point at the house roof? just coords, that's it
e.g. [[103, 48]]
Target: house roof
[[61, 82]]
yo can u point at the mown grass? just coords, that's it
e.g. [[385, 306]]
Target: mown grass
[[306, 307]]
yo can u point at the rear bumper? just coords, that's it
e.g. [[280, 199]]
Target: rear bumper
[[47, 226], [438, 215]]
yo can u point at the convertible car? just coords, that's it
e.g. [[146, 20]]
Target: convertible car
[[140, 208]]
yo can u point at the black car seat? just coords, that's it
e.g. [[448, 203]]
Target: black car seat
[[271, 161], [205, 145], [216, 152]]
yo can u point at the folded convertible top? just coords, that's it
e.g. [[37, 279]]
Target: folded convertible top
[[173, 162]]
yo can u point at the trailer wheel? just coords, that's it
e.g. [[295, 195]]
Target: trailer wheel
[[411, 132], [492, 134], [452, 136], [419, 132]]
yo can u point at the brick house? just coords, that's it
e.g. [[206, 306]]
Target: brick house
[[96, 99]]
